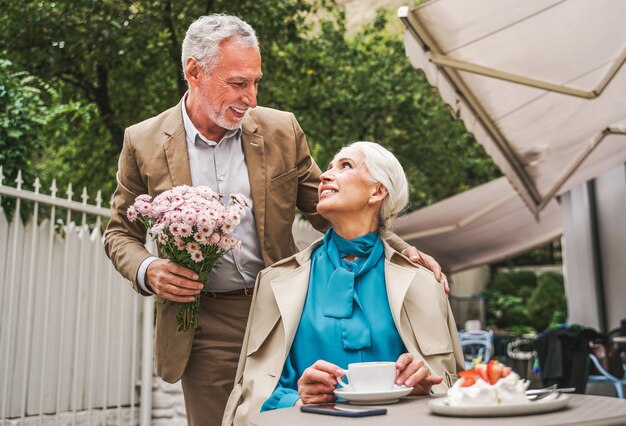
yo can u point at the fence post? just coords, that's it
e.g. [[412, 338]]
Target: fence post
[[146, 362]]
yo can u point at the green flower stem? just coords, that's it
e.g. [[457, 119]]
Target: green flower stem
[[188, 316]]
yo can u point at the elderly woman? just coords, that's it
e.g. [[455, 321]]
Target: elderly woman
[[347, 298]]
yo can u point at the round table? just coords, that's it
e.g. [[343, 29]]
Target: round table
[[581, 410]]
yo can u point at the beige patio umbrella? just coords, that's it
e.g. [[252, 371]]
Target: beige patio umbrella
[[483, 225], [540, 83]]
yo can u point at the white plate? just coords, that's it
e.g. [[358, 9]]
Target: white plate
[[372, 398], [550, 403]]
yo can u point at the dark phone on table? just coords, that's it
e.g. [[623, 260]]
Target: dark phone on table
[[341, 410]]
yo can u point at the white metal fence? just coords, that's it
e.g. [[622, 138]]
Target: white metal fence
[[71, 332]]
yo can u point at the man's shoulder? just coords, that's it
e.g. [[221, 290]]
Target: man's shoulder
[[270, 118], [165, 121], [261, 112]]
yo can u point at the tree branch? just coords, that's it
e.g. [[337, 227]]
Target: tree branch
[[209, 6], [175, 48], [77, 79], [103, 102]]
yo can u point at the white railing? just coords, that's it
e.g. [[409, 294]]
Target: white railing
[[71, 334]]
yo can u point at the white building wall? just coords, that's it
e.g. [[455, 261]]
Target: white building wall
[[578, 267], [588, 289], [611, 200]]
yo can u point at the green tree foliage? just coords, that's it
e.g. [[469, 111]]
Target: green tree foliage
[[521, 300], [120, 61], [363, 88], [28, 107], [547, 305], [23, 114], [506, 296]]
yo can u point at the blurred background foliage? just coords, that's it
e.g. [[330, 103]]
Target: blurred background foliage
[[75, 73], [524, 302]]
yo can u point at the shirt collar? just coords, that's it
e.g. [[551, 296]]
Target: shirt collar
[[192, 134]]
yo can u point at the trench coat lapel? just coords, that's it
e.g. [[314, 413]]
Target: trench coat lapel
[[175, 147], [290, 293], [398, 280], [253, 146]]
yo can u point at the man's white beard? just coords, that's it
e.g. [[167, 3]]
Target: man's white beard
[[219, 118]]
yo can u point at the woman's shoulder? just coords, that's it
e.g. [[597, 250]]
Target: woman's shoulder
[[398, 259]]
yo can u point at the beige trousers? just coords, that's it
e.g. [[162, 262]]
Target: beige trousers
[[210, 373]]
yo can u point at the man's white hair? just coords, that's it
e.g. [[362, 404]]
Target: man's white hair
[[206, 34], [385, 168]]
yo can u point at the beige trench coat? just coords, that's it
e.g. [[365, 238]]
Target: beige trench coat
[[419, 306]]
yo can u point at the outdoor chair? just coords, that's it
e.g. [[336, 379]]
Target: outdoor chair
[[619, 333], [606, 377], [476, 344]]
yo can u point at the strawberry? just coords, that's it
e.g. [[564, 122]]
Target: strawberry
[[506, 371], [494, 371], [469, 378], [490, 373], [481, 369]]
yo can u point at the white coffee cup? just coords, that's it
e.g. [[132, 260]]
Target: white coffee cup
[[370, 376]]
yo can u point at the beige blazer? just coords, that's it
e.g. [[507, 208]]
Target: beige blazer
[[154, 158], [419, 306]]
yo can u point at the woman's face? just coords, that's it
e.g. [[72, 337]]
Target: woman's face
[[346, 187]]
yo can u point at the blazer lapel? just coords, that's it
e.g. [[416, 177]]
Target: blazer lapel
[[175, 147], [290, 294], [253, 146]]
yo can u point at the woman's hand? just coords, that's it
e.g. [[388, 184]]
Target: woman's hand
[[411, 372], [318, 382]]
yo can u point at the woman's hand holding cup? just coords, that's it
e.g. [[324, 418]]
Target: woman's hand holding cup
[[411, 372], [318, 382]]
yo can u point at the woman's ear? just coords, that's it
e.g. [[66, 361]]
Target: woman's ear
[[378, 194]]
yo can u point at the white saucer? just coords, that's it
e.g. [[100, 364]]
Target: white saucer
[[550, 403], [372, 398]]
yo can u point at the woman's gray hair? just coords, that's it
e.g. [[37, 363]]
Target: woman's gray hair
[[385, 168], [205, 35]]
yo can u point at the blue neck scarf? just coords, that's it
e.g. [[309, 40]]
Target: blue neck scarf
[[341, 300]]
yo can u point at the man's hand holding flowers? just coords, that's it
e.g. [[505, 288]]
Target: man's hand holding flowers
[[193, 230]]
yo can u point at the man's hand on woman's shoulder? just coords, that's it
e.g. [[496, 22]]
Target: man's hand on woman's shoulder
[[429, 263]]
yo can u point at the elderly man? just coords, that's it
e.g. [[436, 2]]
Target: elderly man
[[215, 136]]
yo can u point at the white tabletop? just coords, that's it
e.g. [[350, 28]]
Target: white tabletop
[[581, 410]]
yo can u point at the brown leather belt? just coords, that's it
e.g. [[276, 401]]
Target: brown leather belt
[[248, 291]]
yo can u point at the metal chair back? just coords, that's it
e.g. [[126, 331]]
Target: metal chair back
[[606, 377], [476, 344]]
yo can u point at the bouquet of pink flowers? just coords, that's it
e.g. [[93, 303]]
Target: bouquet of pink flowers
[[194, 229]]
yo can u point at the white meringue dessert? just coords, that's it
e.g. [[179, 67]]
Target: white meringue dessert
[[506, 389]]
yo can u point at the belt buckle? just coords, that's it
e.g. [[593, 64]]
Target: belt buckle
[[247, 291]]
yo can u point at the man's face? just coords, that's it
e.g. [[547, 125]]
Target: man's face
[[230, 88]]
